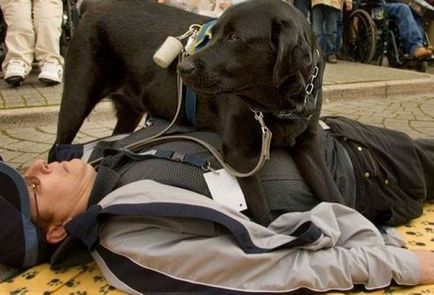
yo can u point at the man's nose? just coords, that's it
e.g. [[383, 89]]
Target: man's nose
[[41, 166]]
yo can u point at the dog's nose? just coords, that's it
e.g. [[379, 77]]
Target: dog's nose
[[186, 68]]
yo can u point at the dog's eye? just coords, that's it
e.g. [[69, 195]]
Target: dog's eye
[[233, 37]]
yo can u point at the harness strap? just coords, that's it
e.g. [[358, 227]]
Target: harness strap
[[164, 154], [265, 147], [201, 39], [190, 105], [265, 151], [175, 117]]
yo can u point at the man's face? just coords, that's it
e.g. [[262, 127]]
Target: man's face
[[59, 191]]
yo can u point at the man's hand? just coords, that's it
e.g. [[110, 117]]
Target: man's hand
[[426, 262]]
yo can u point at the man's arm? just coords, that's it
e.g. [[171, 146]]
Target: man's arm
[[426, 266], [183, 251], [218, 262]]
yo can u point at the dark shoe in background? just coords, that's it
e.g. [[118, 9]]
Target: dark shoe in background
[[332, 59], [15, 73]]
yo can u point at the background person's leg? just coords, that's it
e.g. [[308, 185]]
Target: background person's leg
[[330, 32], [318, 24], [303, 6], [20, 37], [48, 19], [339, 33], [408, 28]]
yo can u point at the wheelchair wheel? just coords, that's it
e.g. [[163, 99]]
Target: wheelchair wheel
[[360, 37]]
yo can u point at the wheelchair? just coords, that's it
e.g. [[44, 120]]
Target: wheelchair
[[371, 37], [70, 18]]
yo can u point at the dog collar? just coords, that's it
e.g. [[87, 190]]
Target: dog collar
[[308, 97], [200, 40]]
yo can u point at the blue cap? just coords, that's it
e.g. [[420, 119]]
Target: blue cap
[[22, 243]]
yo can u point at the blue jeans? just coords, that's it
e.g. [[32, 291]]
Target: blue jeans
[[409, 25], [303, 6], [339, 33], [324, 25]]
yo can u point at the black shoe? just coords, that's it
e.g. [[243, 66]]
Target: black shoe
[[15, 73], [332, 59], [14, 80]]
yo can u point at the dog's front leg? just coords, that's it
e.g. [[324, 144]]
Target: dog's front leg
[[128, 116], [313, 168], [251, 186], [257, 204]]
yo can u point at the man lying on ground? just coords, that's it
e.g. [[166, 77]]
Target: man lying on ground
[[148, 220]]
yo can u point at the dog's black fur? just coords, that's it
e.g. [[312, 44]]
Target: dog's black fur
[[261, 56]]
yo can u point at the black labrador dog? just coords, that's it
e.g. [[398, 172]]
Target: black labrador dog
[[262, 57]]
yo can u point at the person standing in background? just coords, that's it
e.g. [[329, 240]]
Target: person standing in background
[[33, 33], [303, 6], [212, 8], [325, 15]]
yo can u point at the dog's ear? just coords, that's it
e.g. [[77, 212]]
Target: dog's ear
[[294, 50]]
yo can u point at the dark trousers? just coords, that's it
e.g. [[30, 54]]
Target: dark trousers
[[425, 152], [394, 174]]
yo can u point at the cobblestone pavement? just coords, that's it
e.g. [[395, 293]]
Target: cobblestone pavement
[[29, 136], [20, 145], [412, 115]]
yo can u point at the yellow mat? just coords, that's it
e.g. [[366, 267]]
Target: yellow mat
[[87, 279]]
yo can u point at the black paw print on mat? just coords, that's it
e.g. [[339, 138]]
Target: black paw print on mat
[[61, 270], [98, 279], [19, 291], [426, 291], [412, 233], [414, 243], [72, 283], [87, 267], [28, 275], [106, 289], [54, 282]]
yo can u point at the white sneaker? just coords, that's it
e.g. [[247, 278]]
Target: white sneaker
[[15, 72], [51, 73]]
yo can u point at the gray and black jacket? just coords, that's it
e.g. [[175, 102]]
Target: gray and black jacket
[[150, 237], [150, 230]]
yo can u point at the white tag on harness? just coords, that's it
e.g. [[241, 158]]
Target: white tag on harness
[[225, 189]]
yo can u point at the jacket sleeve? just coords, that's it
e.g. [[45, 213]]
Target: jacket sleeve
[[188, 253]]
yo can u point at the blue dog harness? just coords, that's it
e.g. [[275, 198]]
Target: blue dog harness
[[202, 38]]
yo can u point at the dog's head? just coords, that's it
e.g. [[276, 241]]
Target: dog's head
[[262, 51]]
